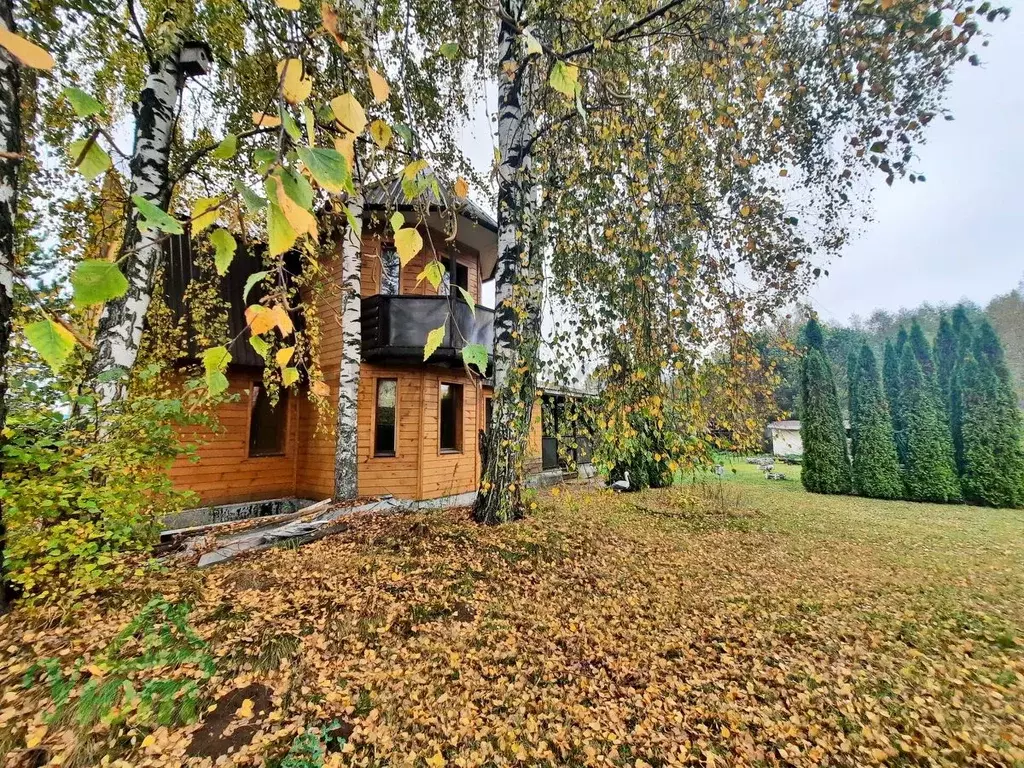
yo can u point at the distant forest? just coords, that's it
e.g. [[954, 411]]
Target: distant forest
[[1004, 312]]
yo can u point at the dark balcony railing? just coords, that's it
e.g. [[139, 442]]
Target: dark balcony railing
[[395, 328]]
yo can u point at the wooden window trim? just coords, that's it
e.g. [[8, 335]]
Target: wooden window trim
[[460, 431], [373, 418]]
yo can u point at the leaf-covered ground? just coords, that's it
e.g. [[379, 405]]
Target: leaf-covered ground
[[736, 623]]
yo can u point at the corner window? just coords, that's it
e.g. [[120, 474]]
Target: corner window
[[385, 418], [461, 279], [268, 423], [390, 272], [450, 424]]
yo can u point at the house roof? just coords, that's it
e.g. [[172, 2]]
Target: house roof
[[476, 228]]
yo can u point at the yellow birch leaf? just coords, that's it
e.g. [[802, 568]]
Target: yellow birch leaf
[[380, 132], [284, 356], [149, 741], [282, 320], [437, 759], [320, 389], [300, 220], [246, 709], [288, 5], [349, 113], [461, 187], [295, 86], [35, 737], [330, 21], [266, 120], [346, 145], [260, 319], [205, 212], [280, 235], [28, 53], [380, 87], [408, 243]]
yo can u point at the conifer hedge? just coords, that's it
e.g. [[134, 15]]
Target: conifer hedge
[[876, 468], [825, 467]]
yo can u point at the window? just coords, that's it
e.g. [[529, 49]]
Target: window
[[385, 421], [461, 279], [390, 272], [268, 423], [450, 426], [488, 413]]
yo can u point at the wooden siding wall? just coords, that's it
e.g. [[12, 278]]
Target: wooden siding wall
[[224, 472], [419, 470]]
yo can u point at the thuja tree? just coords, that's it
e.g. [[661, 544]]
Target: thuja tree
[[993, 456], [825, 467], [876, 468], [894, 396], [922, 350], [945, 355], [930, 473], [963, 330]]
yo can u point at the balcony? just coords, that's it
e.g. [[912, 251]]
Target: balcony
[[395, 328]]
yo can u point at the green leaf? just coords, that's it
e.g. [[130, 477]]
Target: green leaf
[[433, 272], [83, 104], [96, 281], [51, 340], [253, 202], [476, 354], [280, 235], [289, 375], [216, 359], [216, 382], [264, 158], [310, 121], [353, 222], [290, 126], [450, 50], [95, 161], [469, 299], [227, 148], [565, 78], [254, 278], [297, 188], [397, 220], [405, 132], [154, 218], [224, 246], [434, 339], [261, 347], [327, 166]]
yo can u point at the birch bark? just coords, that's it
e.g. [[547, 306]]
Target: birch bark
[[120, 327], [518, 282], [10, 142]]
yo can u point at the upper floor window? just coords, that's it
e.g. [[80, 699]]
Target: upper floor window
[[390, 272], [450, 417], [385, 421], [461, 279], [268, 423]]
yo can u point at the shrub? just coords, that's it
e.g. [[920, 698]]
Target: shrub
[[876, 468], [76, 499], [826, 463]]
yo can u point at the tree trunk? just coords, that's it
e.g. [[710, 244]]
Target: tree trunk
[[518, 284], [120, 326], [10, 141], [346, 446]]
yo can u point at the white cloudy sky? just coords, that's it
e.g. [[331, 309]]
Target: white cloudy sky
[[956, 236]]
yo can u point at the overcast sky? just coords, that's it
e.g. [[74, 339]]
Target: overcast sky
[[956, 236]]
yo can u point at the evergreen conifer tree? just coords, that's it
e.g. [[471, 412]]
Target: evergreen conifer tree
[[963, 331], [901, 341], [993, 457], [945, 357], [930, 474], [852, 369], [922, 350], [894, 396], [876, 468], [825, 467]]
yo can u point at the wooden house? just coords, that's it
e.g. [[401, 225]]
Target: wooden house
[[419, 423]]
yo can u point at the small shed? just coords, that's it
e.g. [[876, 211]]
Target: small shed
[[785, 437]]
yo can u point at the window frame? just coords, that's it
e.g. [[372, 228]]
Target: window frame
[[376, 395], [460, 418], [390, 246], [283, 407]]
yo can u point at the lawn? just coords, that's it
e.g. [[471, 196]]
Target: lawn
[[732, 622]]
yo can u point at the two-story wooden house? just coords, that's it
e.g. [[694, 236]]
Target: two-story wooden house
[[419, 422]]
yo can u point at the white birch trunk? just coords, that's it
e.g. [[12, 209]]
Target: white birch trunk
[[346, 445], [518, 282], [10, 141], [120, 326]]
